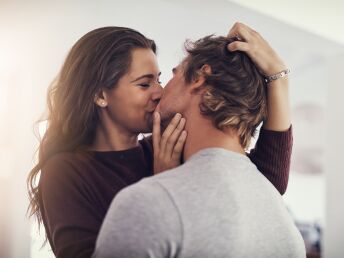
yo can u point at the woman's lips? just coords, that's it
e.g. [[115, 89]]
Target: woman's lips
[[151, 110]]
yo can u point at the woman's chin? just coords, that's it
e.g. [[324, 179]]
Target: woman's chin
[[149, 123]]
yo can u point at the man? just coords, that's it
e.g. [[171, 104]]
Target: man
[[216, 204]]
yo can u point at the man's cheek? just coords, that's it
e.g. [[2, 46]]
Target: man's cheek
[[165, 122]]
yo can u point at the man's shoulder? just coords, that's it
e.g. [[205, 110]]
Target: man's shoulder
[[157, 190], [145, 193], [146, 190], [148, 208], [169, 177]]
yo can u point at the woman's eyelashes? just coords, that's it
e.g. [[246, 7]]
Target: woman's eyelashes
[[144, 85], [148, 84]]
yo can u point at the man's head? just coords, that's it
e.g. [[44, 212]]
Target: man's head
[[231, 91]]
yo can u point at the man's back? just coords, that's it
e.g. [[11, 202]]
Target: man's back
[[215, 205]]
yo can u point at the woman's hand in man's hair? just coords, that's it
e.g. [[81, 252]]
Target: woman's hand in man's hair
[[257, 48]]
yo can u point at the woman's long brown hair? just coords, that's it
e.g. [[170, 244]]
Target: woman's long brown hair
[[97, 60]]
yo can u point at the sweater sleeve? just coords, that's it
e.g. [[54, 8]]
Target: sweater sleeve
[[142, 222], [69, 217], [272, 155]]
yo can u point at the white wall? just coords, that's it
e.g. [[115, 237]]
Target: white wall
[[321, 17], [334, 234]]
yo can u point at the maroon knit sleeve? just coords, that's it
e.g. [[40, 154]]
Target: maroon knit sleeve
[[272, 155], [69, 217]]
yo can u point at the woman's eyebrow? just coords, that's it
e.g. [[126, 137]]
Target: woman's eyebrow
[[149, 76]]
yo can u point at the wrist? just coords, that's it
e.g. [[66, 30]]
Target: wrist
[[276, 76], [275, 66]]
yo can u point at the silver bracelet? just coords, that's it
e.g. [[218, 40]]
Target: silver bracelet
[[276, 76]]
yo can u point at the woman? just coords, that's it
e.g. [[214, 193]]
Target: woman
[[104, 96]]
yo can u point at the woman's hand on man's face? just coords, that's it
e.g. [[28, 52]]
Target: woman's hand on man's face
[[168, 147]]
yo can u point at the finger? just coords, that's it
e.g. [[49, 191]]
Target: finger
[[248, 29], [231, 32], [169, 130], [171, 142], [240, 30], [178, 148], [237, 27], [156, 132], [238, 46]]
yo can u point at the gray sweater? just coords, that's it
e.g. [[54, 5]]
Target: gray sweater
[[217, 204]]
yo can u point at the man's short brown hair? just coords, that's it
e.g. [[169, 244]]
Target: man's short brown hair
[[235, 91]]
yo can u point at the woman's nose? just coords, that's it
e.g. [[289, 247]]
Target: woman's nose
[[156, 95]]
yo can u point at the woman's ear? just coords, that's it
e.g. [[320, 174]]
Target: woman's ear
[[100, 100]]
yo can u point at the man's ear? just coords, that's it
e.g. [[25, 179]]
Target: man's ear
[[100, 99], [206, 69], [200, 79]]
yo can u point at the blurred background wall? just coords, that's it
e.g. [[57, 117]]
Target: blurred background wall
[[35, 37]]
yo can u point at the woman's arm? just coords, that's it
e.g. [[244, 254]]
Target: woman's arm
[[272, 155], [272, 152]]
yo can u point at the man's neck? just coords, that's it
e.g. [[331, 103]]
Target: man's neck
[[202, 134]]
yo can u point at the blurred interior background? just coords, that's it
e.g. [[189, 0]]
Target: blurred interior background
[[35, 37]]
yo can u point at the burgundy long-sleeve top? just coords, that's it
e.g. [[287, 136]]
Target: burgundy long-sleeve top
[[78, 187]]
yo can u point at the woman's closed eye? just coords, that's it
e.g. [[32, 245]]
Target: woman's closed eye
[[144, 85], [148, 84]]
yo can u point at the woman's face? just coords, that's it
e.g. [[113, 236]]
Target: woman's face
[[130, 105]]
